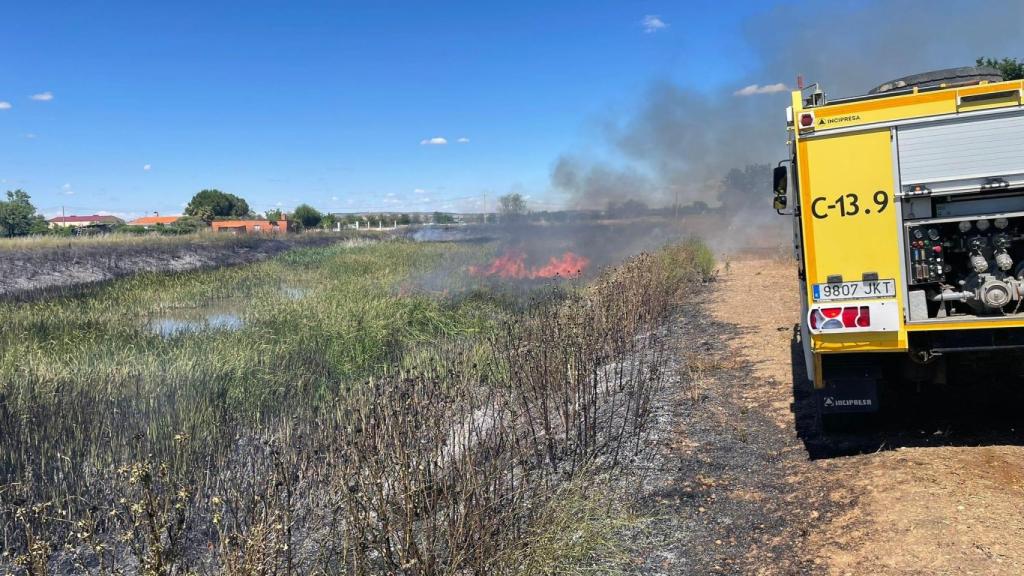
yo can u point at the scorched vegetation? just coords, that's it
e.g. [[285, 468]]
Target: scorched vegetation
[[312, 414]]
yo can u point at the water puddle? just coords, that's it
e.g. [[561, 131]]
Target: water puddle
[[466, 234], [222, 315], [295, 292]]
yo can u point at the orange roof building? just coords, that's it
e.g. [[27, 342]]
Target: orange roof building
[[250, 226], [147, 221]]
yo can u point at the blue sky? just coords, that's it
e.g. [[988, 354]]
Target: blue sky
[[138, 105]]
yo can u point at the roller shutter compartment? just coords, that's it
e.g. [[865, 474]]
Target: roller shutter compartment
[[962, 155]]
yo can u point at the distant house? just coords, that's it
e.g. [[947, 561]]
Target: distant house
[[151, 221], [81, 221], [250, 226]]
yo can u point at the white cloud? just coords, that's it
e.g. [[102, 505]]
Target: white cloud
[[463, 140], [758, 89], [435, 141], [390, 194], [147, 167], [419, 191], [30, 135], [5, 105], [652, 24], [43, 96], [334, 198], [67, 189]]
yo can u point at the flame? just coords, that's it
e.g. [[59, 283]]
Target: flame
[[512, 265]]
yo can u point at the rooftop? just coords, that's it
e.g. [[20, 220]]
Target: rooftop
[[90, 218], [151, 220]]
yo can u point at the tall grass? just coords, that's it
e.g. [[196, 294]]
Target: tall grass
[[361, 427], [114, 239]]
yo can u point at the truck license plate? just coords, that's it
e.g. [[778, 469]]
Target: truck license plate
[[853, 290]]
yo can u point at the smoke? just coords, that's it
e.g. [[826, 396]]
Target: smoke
[[681, 142], [595, 185]]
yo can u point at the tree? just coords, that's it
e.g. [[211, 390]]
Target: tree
[[210, 204], [1011, 68], [631, 208], [512, 206], [308, 216], [184, 225], [275, 215], [443, 218], [747, 187], [18, 216]]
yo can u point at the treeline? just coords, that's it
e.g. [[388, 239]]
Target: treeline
[[739, 189], [18, 216]]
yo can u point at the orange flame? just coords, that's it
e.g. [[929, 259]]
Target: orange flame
[[512, 265]]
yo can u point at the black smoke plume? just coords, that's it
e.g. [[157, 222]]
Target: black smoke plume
[[681, 143]]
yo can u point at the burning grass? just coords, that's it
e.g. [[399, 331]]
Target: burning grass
[[511, 265], [354, 429]]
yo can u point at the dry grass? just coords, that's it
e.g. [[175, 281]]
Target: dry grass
[[113, 240], [697, 368], [354, 431]]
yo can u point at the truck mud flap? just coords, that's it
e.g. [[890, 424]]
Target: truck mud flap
[[849, 396]]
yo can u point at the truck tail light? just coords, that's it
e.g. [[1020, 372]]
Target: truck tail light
[[864, 320], [840, 317], [807, 120]]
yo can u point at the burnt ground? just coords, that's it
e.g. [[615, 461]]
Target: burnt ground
[[744, 481], [721, 493], [39, 272]]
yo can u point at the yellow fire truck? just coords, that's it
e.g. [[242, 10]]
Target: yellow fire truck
[[908, 207]]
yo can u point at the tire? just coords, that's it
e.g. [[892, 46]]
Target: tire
[[964, 75]]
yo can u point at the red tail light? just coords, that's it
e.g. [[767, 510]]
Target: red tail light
[[837, 318], [806, 120], [850, 316], [864, 320]]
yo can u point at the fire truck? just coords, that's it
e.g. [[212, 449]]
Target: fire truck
[[908, 213]]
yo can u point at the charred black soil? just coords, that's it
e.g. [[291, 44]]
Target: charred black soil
[[728, 490], [31, 273]]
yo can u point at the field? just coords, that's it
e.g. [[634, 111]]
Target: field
[[33, 267], [332, 409]]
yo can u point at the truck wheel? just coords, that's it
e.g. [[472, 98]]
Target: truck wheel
[[964, 75]]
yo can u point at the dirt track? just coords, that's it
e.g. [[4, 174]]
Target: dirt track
[[758, 490]]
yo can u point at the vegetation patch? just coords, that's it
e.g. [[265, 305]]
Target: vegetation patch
[[365, 427]]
